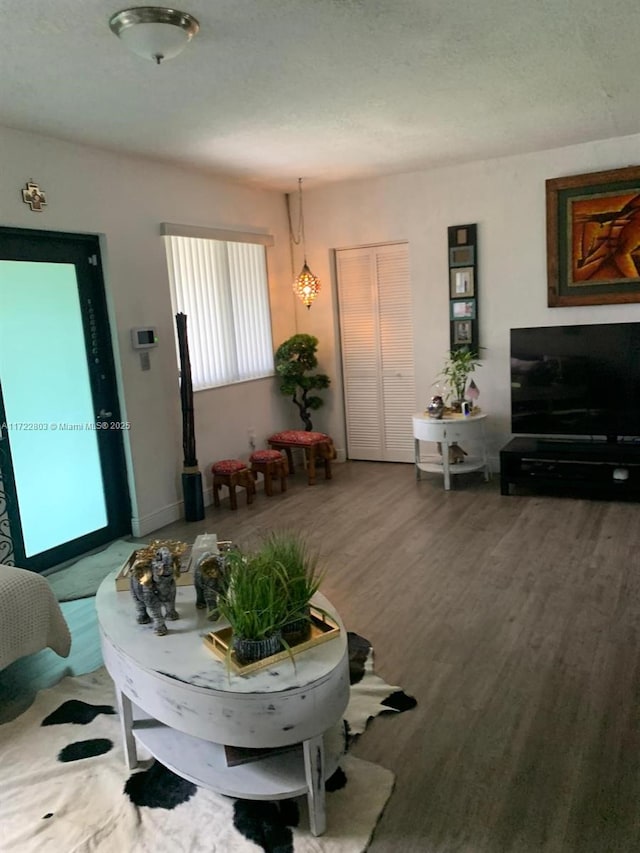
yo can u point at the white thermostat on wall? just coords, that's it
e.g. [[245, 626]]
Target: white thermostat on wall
[[144, 337]]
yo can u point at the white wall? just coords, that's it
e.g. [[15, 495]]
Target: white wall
[[124, 200], [506, 197]]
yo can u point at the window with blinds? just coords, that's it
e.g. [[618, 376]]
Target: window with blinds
[[221, 285]]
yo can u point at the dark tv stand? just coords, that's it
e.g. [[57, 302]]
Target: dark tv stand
[[596, 469]]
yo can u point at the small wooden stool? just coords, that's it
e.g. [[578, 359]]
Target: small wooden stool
[[271, 464], [232, 473], [316, 445]]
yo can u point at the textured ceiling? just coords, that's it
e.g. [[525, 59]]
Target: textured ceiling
[[270, 90]]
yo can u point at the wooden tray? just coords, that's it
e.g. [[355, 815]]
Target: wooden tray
[[185, 578], [449, 413], [323, 628]]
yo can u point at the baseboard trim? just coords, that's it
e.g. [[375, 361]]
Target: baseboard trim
[[142, 525]]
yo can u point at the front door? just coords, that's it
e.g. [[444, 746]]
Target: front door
[[62, 462]]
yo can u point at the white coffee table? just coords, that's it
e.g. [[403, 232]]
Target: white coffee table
[[178, 700]]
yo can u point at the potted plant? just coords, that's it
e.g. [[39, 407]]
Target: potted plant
[[298, 567], [255, 604], [293, 360], [458, 367]]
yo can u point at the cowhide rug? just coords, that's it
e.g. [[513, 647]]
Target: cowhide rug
[[64, 787]]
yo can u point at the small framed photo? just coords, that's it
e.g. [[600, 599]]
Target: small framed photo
[[461, 256], [463, 309], [461, 282], [462, 332]]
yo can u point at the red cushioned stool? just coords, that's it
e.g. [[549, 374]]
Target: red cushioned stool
[[232, 473], [271, 464], [316, 445]]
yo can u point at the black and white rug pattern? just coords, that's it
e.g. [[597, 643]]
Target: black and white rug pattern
[[64, 787]]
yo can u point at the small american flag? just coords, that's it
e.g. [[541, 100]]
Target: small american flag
[[473, 392]]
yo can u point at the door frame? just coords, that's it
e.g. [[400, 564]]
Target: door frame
[[25, 244]]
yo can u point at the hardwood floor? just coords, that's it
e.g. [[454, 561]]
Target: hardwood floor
[[514, 621]]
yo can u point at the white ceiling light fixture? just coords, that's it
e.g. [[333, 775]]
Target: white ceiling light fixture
[[154, 32]]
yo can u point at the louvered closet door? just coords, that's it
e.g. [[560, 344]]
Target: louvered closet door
[[377, 351]]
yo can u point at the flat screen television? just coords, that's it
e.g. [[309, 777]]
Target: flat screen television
[[582, 381]]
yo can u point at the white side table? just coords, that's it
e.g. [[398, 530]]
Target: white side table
[[176, 699], [460, 429]]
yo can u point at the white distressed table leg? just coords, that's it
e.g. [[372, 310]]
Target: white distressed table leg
[[314, 772], [487, 470], [445, 462], [126, 726], [416, 443]]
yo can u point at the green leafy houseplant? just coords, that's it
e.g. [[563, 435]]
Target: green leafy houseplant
[[255, 605], [255, 601], [298, 567], [458, 367], [294, 359], [267, 596]]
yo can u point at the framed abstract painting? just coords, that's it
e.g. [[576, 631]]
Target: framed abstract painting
[[593, 238]]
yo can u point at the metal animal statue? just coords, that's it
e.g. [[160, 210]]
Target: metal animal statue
[[456, 453], [210, 581], [154, 588]]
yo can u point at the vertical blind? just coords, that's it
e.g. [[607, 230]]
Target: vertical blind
[[222, 287]]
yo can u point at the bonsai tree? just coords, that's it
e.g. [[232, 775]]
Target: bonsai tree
[[294, 359], [458, 367]]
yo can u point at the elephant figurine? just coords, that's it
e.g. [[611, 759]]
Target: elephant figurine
[[153, 589], [210, 581]]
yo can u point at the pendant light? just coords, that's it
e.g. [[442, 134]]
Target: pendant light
[[306, 286]]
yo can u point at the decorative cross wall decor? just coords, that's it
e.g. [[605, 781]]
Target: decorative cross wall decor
[[34, 197]]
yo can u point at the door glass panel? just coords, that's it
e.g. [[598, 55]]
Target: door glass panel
[[48, 405]]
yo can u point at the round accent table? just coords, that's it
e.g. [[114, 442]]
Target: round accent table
[[177, 699], [446, 431]]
